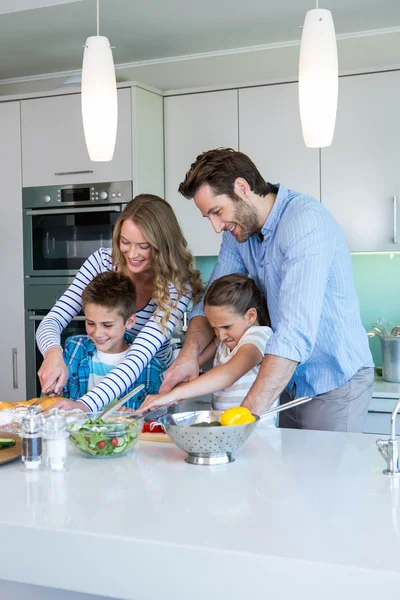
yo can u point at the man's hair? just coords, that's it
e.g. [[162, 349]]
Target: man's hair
[[219, 168], [112, 290], [240, 293]]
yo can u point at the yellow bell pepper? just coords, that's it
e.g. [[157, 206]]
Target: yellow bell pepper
[[237, 415]]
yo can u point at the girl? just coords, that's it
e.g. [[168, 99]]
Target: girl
[[236, 310], [148, 247]]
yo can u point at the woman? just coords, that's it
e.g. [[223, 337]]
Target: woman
[[149, 247]]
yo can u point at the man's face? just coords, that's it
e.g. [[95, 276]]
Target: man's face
[[237, 217]]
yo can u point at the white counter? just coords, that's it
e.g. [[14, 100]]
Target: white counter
[[299, 514]]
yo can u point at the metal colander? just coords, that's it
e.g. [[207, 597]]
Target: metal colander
[[212, 445]]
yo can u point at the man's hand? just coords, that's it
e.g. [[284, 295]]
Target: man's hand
[[70, 405], [180, 371], [275, 373], [53, 373]]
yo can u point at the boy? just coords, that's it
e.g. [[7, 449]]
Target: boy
[[109, 304]]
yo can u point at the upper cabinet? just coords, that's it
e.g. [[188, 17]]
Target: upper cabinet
[[270, 134], [195, 123], [360, 171], [53, 144]]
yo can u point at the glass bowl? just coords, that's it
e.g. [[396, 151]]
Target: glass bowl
[[98, 438]]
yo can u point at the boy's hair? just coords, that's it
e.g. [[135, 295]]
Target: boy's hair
[[219, 168], [239, 292], [112, 290]]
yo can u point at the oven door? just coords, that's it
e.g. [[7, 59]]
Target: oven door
[[33, 356], [58, 241]]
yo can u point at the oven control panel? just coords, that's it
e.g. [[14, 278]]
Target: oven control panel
[[77, 195]]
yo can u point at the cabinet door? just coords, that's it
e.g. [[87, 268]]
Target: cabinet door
[[360, 171], [12, 339], [195, 123], [270, 134], [53, 144]]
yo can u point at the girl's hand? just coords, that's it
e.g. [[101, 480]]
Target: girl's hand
[[53, 373], [70, 405], [151, 402]]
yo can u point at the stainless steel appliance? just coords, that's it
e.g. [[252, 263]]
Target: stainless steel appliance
[[62, 226]]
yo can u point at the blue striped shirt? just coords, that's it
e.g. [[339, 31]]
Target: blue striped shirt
[[303, 266], [149, 338]]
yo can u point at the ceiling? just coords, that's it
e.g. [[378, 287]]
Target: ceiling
[[50, 39]]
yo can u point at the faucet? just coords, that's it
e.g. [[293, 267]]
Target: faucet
[[389, 448]]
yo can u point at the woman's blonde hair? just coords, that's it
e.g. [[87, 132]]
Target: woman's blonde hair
[[170, 259]]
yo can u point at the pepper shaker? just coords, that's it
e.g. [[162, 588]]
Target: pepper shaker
[[31, 434]]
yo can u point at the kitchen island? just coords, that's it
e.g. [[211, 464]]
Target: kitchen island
[[299, 514]]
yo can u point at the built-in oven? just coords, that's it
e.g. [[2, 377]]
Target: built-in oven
[[63, 225]]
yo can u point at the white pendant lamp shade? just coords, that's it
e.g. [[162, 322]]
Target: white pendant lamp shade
[[99, 99], [318, 78]]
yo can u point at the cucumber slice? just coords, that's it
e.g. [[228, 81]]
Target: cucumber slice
[[6, 443], [119, 449]]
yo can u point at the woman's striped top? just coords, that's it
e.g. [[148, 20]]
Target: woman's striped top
[[150, 339]]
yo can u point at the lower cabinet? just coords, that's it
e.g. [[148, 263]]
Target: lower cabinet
[[378, 418], [12, 339]]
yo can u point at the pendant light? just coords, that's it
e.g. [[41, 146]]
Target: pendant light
[[318, 78], [99, 97]]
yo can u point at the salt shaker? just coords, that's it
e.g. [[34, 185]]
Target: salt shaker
[[56, 435], [31, 434]]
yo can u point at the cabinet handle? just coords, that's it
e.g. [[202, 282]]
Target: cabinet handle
[[73, 211], [73, 172], [395, 219], [15, 368]]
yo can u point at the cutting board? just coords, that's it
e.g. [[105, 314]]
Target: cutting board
[[155, 437], [9, 454]]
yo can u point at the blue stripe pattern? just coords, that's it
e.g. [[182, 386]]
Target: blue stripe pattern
[[149, 338], [303, 266]]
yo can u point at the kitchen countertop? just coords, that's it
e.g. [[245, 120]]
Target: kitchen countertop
[[302, 514]]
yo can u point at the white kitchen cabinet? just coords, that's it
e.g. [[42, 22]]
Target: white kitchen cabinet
[[193, 124], [53, 144], [12, 339], [360, 171], [270, 134], [384, 399]]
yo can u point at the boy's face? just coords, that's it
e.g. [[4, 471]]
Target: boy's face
[[106, 328]]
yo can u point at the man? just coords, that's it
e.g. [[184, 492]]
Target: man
[[295, 251]]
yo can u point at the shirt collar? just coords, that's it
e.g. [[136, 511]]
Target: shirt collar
[[274, 216]]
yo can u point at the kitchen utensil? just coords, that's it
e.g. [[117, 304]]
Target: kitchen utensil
[[213, 445], [386, 325], [396, 331], [118, 402], [9, 454]]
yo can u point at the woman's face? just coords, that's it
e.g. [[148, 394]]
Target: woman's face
[[134, 247]]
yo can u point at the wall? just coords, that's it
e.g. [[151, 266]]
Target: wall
[[377, 281]]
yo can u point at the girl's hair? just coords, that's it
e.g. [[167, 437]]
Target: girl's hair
[[239, 292], [170, 259], [112, 290]]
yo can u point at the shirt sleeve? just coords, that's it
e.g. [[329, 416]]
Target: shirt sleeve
[[143, 349], [70, 303], [258, 337], [229, 261], [308, 248]]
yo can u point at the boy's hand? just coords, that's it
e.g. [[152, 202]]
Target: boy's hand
[[53, 373], [70, 405]]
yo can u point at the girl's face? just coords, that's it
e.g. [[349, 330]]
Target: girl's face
[[228, 325], [134, 247]]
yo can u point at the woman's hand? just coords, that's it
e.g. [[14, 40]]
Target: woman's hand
[[70, 405], [53, 373], [180, 371]]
